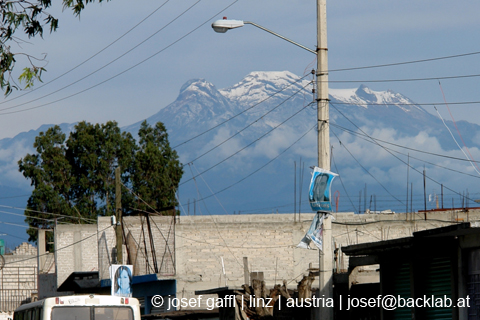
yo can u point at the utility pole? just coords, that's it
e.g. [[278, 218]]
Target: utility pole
[[323, 122], [118, 214]]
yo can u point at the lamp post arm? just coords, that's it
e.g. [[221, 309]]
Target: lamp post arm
[[280, 36]]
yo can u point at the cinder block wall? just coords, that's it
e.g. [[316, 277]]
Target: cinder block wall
[[267, 240], [76, 249], [20, 270]]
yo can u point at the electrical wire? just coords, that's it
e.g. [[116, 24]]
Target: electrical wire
[[240, 113], [126, 70], [106, 65], [59, 249], [430, 178], [88, 59], [451, 134], [14, 236], [213, 219], [360, 136], [249, 125], [260, 168], [397, 145], [405, 80], [404, 104], [365, 169], [53, 214], [24, 215], [406, 62], [341, 181], [251, 143], [473, 162]]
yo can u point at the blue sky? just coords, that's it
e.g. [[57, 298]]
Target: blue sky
[[130, 79], [359, 34]]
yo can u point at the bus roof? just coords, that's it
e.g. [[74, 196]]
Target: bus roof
[[81, 300]]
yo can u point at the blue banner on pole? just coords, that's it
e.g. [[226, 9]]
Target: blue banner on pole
[[320, 189]]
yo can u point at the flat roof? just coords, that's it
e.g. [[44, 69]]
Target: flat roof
[[372, 248]]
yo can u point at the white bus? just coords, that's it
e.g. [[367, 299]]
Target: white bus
[[81, 307]]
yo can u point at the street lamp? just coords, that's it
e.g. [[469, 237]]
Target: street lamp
[[323, 125], [222, 26]]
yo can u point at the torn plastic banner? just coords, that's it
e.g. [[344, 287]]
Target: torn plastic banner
[[314, 233], [320, 186]]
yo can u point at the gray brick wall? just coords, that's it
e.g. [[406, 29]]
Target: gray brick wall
[[76, 250], [200, 243]]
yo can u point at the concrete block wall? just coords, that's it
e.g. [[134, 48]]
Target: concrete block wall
[[349, 229], [20, 270], [106, 241], [76, 249], [268, 241], [163, 236], [18, 278], [136, 233]]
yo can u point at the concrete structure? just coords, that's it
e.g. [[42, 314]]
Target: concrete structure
[[76, 249], [436, 264], [18, 278], [204, 252]]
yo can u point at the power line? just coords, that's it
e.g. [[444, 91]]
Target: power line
[[430, 178], [260, 168], [407, 80], [48, 213], [106, 65], [59, 249], [397, 145], [248, 145], [88, 59], [360, 136], [404, 104], [249, 125], [406, 62], [126, 70], [341, 181], [240, 113], [365, 169]]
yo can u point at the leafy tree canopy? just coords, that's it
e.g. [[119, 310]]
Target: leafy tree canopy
[[75, 177], [33, 18]]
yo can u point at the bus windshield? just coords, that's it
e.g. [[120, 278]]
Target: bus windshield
[[91, 313]]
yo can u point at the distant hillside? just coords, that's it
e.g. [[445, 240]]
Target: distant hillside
[[246, 138]]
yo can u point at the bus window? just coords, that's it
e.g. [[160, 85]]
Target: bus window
[[113, 313], [71, 313]]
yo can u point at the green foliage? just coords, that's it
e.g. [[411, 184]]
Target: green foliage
[[156, 170], [32, 17], [29, 75], [75, 177]]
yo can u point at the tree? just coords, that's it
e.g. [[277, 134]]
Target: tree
[[33, 18], [157, 171], [75, 178]]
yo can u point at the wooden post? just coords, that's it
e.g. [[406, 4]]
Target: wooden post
[[246, 273], [118, 213]]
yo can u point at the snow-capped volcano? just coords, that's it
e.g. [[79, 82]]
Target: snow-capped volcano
[[363, 96], [243, 140], [260, 85], [263, 100]]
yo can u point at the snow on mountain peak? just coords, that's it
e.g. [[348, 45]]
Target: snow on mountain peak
[[259, 85], [364, 96], [200, 86]]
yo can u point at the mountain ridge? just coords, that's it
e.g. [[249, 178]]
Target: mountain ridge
[[250, 134]]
